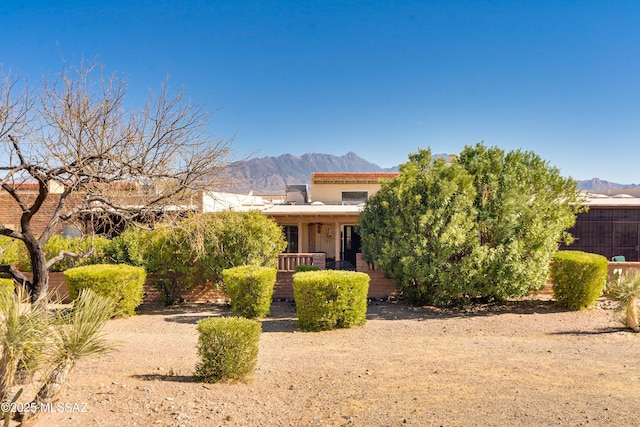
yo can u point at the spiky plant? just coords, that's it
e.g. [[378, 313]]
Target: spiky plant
[[78, 333], [23, 336], [626, 291]]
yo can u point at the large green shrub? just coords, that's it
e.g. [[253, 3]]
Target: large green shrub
[[250, 289], [196, 250], [124, 284], [578, 278], [330, 299], [228, 348], [483, 226]]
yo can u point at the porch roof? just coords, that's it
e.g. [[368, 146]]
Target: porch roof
[[616, 201], [313, 210]]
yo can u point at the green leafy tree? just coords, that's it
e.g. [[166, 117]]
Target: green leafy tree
[[485, 225], [420, 228], [524, 208]]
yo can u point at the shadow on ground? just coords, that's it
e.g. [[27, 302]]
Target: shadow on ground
[[400, 310], [594, 332], [162, 377], [283, 314]]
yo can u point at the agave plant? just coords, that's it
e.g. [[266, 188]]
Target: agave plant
[[626, 290], [76, 333], [23, 335]]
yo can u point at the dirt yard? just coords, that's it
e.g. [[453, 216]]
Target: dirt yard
[[520, 363]]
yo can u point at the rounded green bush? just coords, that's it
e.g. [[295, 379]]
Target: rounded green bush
[[124, 284], [578, 278], [250, 289], [228, 348], [330, 299]]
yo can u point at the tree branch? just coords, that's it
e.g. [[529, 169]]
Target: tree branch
[[11, 272]]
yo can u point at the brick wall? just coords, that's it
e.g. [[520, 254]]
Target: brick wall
[[379, 285], [10, 213], [624, 266]]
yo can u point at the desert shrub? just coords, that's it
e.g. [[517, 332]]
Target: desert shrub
[[91, 249], [250, 289], [303, 267], [228, 348], [127, 248], [7, 286], [578, 278], [229, 239], [124, 284], [38, 337], [197, 249], [330, 299]]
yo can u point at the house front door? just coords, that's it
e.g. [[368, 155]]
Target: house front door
[[350, 244]]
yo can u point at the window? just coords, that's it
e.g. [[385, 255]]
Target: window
[[354, 196]]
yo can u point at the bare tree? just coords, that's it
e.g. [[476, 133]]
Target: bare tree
[[76, 142]]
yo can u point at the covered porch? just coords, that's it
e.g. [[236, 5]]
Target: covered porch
[[318, 228]]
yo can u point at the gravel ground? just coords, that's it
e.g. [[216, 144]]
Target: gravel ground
[[519, 363]]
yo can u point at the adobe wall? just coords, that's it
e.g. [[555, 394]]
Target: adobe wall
[[10, 214], [624, 266], [198, 294], [379, 286]]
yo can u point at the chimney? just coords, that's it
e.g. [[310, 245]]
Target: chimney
[[297, 193]]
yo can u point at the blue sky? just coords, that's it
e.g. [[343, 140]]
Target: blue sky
[[380, 78]]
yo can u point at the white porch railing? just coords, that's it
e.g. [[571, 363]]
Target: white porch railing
[[288, 262]]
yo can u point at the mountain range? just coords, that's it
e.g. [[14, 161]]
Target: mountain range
[[271, 175]]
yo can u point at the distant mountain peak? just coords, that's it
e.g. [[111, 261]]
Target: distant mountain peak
[[601, 186]]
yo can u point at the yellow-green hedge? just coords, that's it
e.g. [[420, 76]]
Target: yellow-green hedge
[[329, 299], [228, 348], [124, 284], [250, 288], [578, 278]]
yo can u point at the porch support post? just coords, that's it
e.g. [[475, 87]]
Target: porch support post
[[338, 240], [300, 237]]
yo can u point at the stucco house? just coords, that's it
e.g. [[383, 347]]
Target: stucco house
[[319, 224], [319, 221]]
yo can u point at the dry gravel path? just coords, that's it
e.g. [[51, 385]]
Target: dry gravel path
[[521, 363]]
